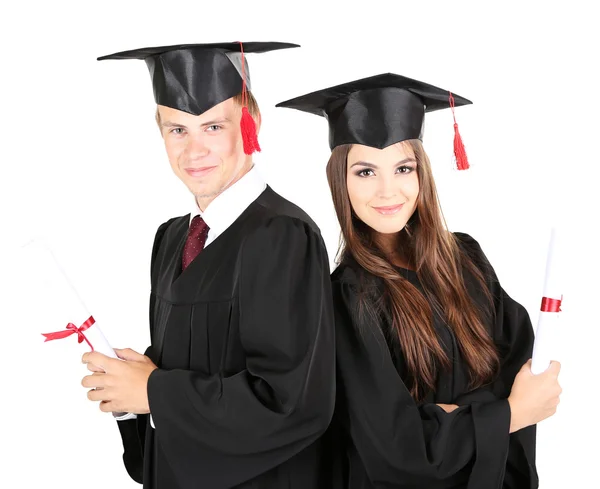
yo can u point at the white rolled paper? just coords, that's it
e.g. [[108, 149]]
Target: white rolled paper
[[546, 335], [65, 305]]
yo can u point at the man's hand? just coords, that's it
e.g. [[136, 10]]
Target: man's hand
[[120, 385]]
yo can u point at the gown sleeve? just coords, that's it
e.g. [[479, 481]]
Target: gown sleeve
[[283, 400], [398, 441], [513, 335], [133, 431]]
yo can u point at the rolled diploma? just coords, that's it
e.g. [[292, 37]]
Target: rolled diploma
[[70, 303], [546, 335], [67, 299]]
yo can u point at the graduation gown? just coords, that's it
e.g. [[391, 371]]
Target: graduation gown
[[244, 342], [393, 442]]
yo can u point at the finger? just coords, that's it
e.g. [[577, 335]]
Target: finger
[[93, 368], [554, 367], [527, 367], [97, 379], [99, 395], [98, 359], [109, 407], [129, 354], [553, 370]]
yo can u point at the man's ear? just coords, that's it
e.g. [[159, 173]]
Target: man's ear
[[157, 119]]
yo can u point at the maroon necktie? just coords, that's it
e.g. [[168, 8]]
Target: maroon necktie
[[195, 241]]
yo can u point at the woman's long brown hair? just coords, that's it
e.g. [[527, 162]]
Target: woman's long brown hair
[[439, 263]]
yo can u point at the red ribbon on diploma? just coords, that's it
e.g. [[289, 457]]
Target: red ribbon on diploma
[[551, 305], [72, 329]]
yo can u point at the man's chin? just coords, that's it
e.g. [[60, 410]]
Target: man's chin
[[203, 192]]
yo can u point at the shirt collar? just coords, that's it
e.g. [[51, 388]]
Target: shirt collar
[[229, 204]]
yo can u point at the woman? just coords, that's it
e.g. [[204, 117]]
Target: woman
[[435, 387]]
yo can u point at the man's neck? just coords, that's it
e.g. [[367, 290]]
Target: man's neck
[[204, 201]]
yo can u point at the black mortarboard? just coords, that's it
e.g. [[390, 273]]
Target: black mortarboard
[[379, 111], [196, 77]]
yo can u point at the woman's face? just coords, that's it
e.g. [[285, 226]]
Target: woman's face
[[383, 185]]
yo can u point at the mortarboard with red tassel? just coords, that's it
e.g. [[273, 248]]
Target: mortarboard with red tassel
[[196, 77], [380, 110]]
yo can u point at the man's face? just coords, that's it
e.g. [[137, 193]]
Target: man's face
[[206, 151]]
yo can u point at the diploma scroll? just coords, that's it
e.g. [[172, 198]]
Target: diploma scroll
[[68, 315], [546, 335], [78, 321]]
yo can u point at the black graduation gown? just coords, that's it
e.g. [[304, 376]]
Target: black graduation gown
[[394, 443], [244, 342]]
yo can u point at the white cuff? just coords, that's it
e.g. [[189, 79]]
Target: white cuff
[[124, 416]]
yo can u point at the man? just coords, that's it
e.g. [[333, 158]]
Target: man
[[238, 384]]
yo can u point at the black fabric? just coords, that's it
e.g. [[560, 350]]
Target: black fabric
[[393, 442], [244, 342], [195, 77], [377, 111]]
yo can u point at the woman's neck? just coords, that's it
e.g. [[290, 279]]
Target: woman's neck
[[392, 247]]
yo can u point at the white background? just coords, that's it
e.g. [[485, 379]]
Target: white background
[[83, 166]]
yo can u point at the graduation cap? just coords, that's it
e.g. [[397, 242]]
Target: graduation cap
[[379, 111], [195, 77]]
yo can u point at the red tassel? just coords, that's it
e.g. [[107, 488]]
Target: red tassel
[[462, 162], [249, 137], [247, 124]]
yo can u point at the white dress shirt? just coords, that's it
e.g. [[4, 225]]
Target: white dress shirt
[[222, 213], [229, 205]]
